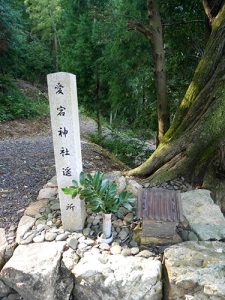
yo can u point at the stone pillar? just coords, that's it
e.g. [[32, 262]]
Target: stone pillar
[[62, 91]]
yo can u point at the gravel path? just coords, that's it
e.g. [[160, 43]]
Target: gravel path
[[27, 163]]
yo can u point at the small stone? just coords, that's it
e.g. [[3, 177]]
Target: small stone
[[95, 222], [49, 223], [40, 221], [192, 236], [115, 249], [134, 250], [133, 243], [47, 210], [47, 193], [12, 228], [90, 219], [81, 239], [89, 242], [82, 246], [145, 254], [58, 223], [114, 234], [55, 206], [129, 217], [39, 238], [28, 239], [76, 258], [72, 243], [95, 251], [25, 224], [41, 227], [118, 223], [50, 236], [11, 234], [104, 246], [62, 237], [80, 252], [123, 234], [86, 231], [50, 216], [126, 252], [115, 244]]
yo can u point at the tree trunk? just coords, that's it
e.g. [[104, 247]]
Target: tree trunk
[[156, 40], [97, 100], [153, 32], [198, 127]]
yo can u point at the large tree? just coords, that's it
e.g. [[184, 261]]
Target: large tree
[[153, 32], [198, 129]]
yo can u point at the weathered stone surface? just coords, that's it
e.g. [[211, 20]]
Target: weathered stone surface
[[117, 277], [112, 176], [34, 272], [133, 187], [50, 236], [4, 289], [24, 225], [52, 182], [3, 241], [121, 184], [204, 217], [70, 167], [3, 245], [34, 208], [47, 193], [196, 271]]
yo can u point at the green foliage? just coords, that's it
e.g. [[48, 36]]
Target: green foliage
[[126, 150], [14, 105], [99, 194], [114, 66]]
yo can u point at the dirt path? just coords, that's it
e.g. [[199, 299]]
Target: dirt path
[[27, 162]]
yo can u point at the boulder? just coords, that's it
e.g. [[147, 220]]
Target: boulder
[[37, 272], [196, 270], [111, 277], [203, 215], [24, 225], [34, 208]]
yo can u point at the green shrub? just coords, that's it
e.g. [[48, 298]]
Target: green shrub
[[99, 194], [126, 151], [14, 105]]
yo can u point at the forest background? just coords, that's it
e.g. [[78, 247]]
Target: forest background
[[114, 64]]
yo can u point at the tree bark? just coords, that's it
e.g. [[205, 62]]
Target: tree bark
[[198, 127], [154, 34], [97, 100], [156, 40]]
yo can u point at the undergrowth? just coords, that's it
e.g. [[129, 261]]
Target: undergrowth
[[126, 151], [15, 105]]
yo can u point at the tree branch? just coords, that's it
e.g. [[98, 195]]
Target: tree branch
[[137, 26], [207, 10]]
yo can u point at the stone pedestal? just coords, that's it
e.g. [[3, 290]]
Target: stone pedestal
[[62, 92]]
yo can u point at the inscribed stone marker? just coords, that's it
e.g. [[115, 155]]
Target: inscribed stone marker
[[62, 92]]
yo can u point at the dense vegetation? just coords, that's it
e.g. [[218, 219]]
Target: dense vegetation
[[113, 64]]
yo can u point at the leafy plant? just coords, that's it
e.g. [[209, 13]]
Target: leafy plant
[[99, 194]]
